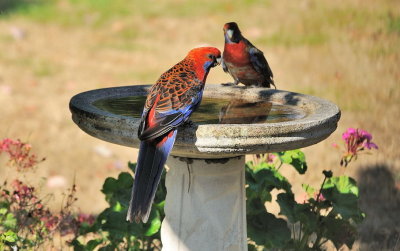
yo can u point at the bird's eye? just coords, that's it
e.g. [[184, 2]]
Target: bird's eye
[[211, 56]]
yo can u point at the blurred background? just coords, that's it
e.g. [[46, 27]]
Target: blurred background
[[346, 51]]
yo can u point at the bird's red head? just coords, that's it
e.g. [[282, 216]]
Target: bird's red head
[[204, 58]]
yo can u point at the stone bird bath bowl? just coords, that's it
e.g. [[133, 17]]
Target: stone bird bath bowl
[[205, 205]]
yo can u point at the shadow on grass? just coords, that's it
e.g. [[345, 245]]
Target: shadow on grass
[[8, 6], [380, 200]]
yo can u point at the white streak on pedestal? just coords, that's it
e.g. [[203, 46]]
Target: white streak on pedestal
[[211, 213]]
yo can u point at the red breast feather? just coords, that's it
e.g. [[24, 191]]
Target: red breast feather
[[237, 60]]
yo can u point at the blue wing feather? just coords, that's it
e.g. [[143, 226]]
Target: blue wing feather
[[169, 120]]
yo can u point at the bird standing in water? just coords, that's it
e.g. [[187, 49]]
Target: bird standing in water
[[171, 101], [243, 61]]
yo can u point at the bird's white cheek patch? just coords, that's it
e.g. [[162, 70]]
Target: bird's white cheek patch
[[230, 33]]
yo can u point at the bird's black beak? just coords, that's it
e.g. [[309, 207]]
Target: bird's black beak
[[217, 61]]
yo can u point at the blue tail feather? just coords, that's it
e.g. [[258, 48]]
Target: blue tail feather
[[151, 160]]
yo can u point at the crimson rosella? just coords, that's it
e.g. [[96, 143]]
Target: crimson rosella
[[243, 61], [169, 104]]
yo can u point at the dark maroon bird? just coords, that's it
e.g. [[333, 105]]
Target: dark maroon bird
[[243, 61]]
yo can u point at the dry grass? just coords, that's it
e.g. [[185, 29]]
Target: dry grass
[[345, 51]]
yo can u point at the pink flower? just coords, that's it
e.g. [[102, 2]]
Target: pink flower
[[370, 145], [365, 135], [366, 138], [348, 134], [270, 157], [319, 197], [85, 218], [19, 153], [356, 140], [50, 222]]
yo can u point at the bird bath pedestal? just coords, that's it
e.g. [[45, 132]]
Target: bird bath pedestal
[[206, 205]]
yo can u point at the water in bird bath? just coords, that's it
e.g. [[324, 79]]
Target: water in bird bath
[[212, 110]]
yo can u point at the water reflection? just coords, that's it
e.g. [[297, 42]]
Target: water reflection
[[212, 110], [244, 112]]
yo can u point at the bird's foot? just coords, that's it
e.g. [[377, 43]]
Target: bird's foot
[[229, 84], [189, 123]]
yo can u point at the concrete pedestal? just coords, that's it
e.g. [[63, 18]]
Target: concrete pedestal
[[205, 206]]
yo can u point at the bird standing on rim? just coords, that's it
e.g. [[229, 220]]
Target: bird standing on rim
[[169, 104], [243, 61]]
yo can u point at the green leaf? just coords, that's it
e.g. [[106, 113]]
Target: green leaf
[[110, 185], [159, 206], [116, 225], [309, 190], [255, 206], [117, 207], [132, 166], [297, 212], [92, 244], [262, 179], [78, 246], [9, 236], [94, 228], [114, 222], [118, 190], [3, 211], [287, 204], [343, 184], [295, 158], [125, 180], [267, 230], [111, 224], [343, 193], [339, 231], [155, 223], [10, 222], [251, 247], [110, 247], [264, 228]]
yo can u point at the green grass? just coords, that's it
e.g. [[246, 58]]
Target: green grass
[[101, 12], [288, 39], [393, 23], [44, 69], [323, 23], [39, 67], [317, 27], [42, 12], [9, 6]]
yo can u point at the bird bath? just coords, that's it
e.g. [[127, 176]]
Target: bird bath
[[205, 206]]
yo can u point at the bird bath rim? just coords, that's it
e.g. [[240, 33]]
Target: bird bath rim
[[214, 140]]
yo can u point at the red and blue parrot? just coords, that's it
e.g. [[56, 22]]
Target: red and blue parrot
[[169, 104], [243, 61]]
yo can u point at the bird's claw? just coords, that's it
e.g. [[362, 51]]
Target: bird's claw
[[230, 84], [188, 123]]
